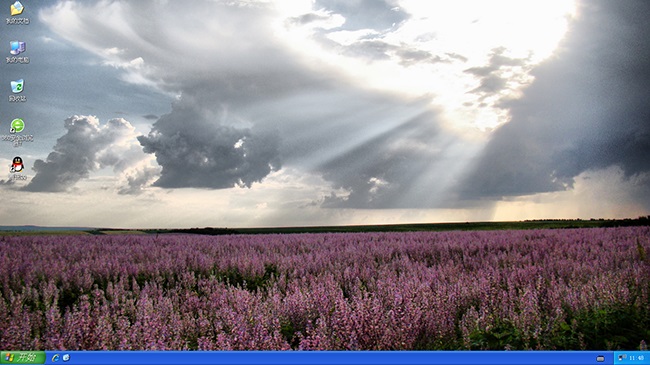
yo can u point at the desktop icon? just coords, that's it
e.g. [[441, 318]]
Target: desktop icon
[[17, 47], [55, 358], [17, 165], [17, 126], [65, 357], [17, 8], [17, 86]]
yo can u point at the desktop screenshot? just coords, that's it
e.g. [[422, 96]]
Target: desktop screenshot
[[325, 182]]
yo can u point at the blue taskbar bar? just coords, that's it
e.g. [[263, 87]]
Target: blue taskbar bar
[[325, 357]]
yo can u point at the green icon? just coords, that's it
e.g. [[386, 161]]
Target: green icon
[[17, 126]]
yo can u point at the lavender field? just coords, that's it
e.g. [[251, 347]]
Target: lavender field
[[541, 289]]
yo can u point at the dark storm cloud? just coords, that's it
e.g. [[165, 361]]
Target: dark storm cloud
[[365, 14], [150, 117], [203, 144], [586, 110], [491, 81], [491, 84], [87, 146], [195, 151]]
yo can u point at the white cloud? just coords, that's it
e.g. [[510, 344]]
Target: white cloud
[[87, 146]]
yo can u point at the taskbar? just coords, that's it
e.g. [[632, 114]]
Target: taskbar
[[326, 357]]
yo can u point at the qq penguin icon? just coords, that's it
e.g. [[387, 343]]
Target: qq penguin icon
[[17, 165]]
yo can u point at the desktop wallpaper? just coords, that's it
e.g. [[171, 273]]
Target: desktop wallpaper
[[129, 126]]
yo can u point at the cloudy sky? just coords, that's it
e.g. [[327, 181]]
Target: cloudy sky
[[240, 113]]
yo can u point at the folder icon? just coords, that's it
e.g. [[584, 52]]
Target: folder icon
[[17, 8]]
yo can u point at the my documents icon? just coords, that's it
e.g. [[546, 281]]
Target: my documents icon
[[17, 8]]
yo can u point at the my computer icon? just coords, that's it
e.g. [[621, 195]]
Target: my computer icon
[[17, 47]]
